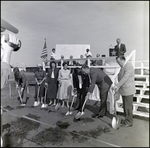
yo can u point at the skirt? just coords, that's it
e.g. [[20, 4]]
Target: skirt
[[65, 90], [52, 89]]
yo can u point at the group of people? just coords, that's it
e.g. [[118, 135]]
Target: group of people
[[58, 87], [71, 62], [120, 51], [61, 83]]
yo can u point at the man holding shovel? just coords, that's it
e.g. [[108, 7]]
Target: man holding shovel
[[21, 85], [103, 82], [126, 88]]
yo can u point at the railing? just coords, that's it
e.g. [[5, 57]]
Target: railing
[[142, 66], [131, 56], [104, 59]]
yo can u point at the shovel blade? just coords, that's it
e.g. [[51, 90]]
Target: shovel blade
[[116, 123]]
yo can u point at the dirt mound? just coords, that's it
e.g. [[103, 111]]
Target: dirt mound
[[8, 107], [55, 136], [17, 131], [62, 125]]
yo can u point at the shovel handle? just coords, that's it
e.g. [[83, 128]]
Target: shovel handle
[[84, 103], [72, 103], [38, 92], [20, 95], [45, 94]]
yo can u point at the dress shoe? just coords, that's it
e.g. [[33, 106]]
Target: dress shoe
[[82, 113], [94, 115], [97, 116], [57, 107], [44, 106], [23, 104], [36, 103], [122, 121], [68, 113], [76, 108], [126, 125], [76, 120], [100, 116]]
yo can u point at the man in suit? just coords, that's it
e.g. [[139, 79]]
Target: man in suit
[[103, 82], [62, 59], [71, 62], [121, 48], [126, 88]]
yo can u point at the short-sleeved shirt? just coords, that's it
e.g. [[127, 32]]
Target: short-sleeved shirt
[[22, 80], [40, 75]]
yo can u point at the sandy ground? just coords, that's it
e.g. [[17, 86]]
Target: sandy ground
[[41, 130]]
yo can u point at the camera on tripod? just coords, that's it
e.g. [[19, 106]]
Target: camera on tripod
[[7, 26]]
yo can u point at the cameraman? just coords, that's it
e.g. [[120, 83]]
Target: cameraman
[[9, 43]]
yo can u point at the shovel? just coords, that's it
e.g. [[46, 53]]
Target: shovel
[[70, 112], [82, 113], [45, 95], [38, 93], [21, 100], [116, 120]]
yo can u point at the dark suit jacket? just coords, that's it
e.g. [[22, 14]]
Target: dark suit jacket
[[59, 63], [100, 78], [73, 63], [48, 78], [121, 51], [85, 81]]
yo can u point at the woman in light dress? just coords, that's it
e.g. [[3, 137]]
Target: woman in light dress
[[65, 86]]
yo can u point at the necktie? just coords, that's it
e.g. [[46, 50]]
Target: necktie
[[52, 75], [80, 81]]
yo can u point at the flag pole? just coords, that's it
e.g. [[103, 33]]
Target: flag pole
[[43, 62]]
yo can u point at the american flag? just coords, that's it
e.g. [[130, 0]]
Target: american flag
[[44, 52]]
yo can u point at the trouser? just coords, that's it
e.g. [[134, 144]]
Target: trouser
[[104, 87], [41, 91], [24, 94], [127, 106], [81, 95]]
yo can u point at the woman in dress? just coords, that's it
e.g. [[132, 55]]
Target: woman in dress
[[52, 83], [65, 85]]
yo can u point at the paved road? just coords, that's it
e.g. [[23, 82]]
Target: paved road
[[87, 132]]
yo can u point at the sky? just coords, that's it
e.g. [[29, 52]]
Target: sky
[[97, 23]]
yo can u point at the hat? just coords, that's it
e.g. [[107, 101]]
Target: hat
[[39, 65]]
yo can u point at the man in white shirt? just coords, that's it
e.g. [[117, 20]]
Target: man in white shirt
[[53, 54], [88, 53]]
